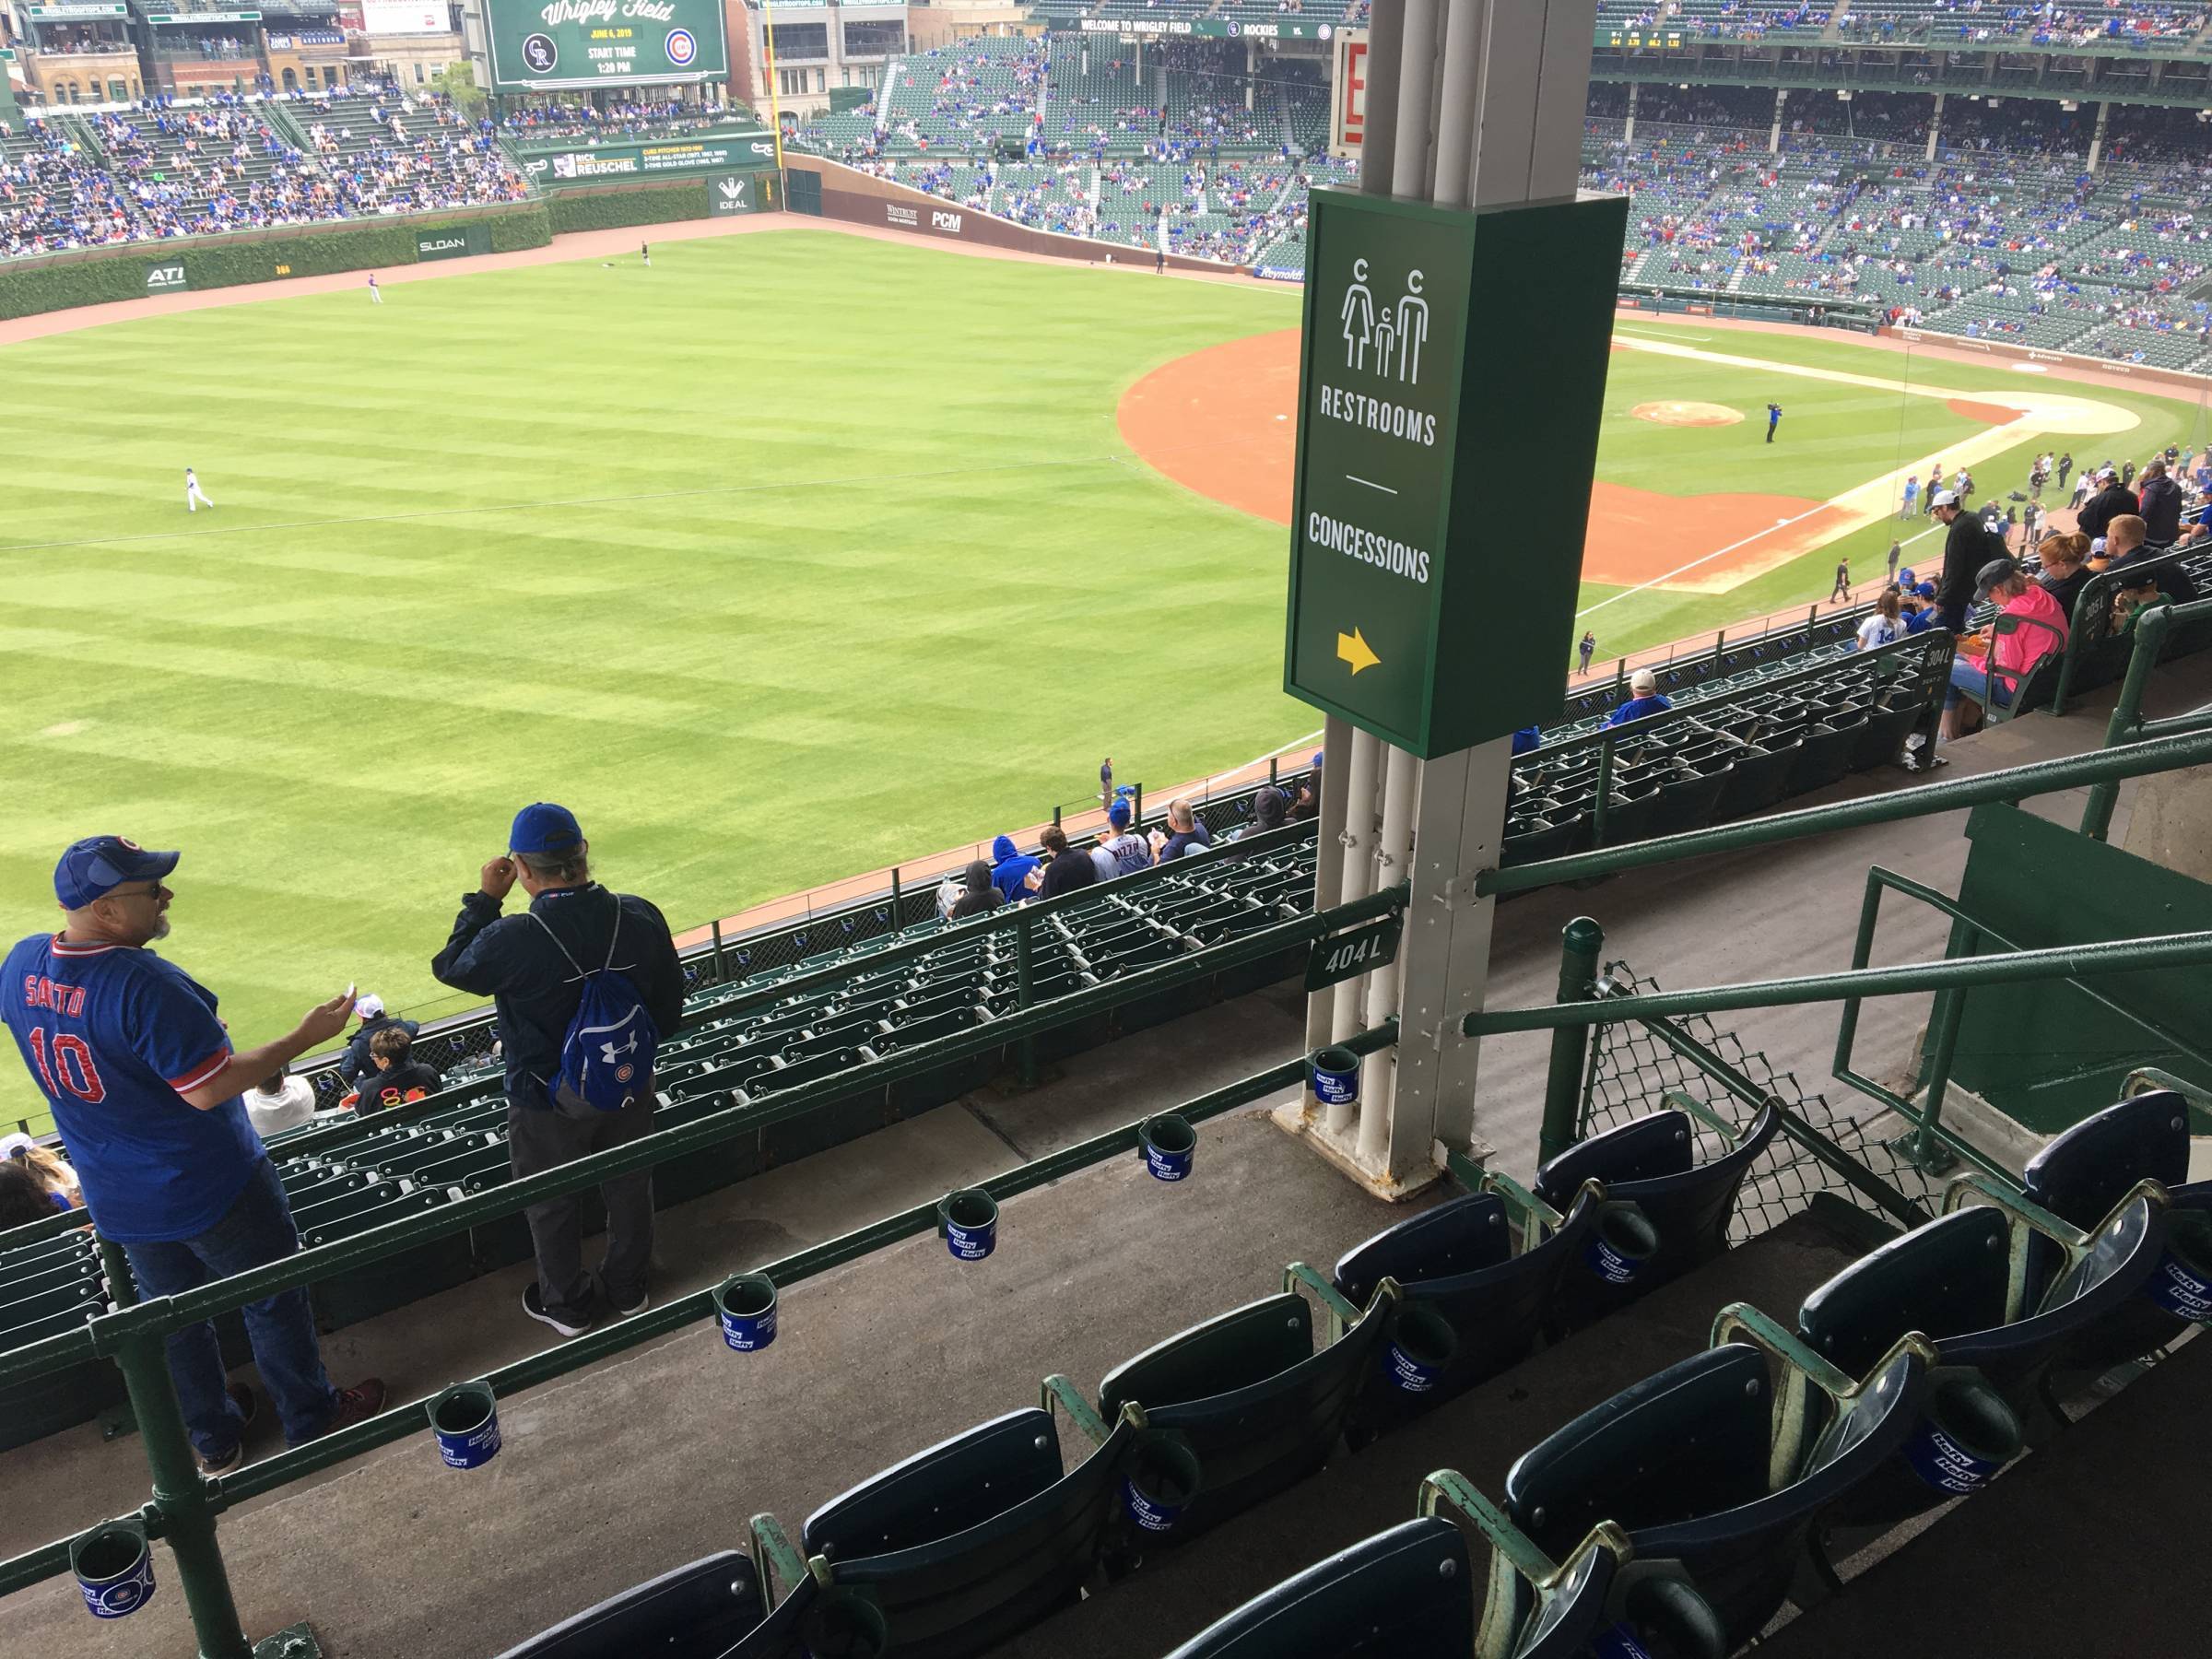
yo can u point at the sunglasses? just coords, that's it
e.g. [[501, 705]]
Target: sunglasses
[[153, 892]]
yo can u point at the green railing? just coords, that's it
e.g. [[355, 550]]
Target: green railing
[[2085, 628], [2153, 626], [184, 1505]]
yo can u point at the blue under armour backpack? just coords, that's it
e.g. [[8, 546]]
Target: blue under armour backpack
[[607, 1057]]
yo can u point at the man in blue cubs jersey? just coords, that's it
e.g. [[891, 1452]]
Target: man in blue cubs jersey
[[146, 1088]]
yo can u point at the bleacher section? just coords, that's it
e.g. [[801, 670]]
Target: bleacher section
[[1714, 1414]]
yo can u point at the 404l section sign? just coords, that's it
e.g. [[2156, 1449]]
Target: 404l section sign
[[1450, 388], [1350, 954]]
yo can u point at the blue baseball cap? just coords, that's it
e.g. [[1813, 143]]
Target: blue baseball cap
[[543, 828], [1118, 814], [96, 866]]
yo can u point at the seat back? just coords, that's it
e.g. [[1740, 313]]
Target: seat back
[[1257, 1405], [1405, 1594], [1945, 1278], [2084, 1173], [1648, 1164], [695, 1612], [1457, 1260], [1682, 1462], [963, 1544]]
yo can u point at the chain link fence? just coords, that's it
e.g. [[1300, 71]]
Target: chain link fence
[[1633, 1067]]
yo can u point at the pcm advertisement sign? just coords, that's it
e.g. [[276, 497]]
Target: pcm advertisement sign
[[541, 45]]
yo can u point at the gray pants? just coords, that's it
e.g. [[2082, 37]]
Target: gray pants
[[538, 1139]]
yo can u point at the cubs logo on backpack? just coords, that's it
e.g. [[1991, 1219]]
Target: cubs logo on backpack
[[607, 1057]]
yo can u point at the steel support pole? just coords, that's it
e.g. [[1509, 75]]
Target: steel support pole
[[1328, 874], [1401, 791], [1025, 989], [187, 1518], [1360, 839], [1580, 941]]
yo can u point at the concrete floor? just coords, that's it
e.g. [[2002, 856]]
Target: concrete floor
[[651, 1459]]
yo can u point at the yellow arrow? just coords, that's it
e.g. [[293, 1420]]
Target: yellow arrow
[[1354, 649]]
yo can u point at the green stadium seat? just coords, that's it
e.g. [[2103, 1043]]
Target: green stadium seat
[[964, 1545], [1488, 1267], [699, 1611], [1405, 1594], [1250, 1396], [1706, 1478], [1823, 755], [1649, 1164], [1759, 779]]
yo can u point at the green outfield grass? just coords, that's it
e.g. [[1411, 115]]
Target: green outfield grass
[[793, 556]]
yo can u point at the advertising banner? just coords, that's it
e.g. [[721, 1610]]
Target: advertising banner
[[712, 153], [1348, 92], [453, 242], [743, 193], [1213, 29], [167, 277], [548, 44], [405, 17]]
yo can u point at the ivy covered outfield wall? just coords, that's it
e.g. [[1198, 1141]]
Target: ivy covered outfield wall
[[131, 271]]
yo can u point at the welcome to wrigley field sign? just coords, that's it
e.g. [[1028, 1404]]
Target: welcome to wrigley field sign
[[1451, 380]]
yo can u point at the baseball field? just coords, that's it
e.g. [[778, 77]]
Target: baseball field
[[791, 556]]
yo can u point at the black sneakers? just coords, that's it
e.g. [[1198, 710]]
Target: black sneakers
[[248, 1409], [534, 1304]]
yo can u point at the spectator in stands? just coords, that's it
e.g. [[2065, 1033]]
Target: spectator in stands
[[1967, 547], [1643, 699], [1270, 807], [355, 1065], [979, 897], [2065, 568], [1064, 869], [399, 1076], [2123, 547], [1184, 833], [2005, 659], [1884, 624], [1010, 868], [56, 1177], [2112, 499], [1131, 852], [2161, 506], [2136, 595], [280, 1101], [528, 964], [146, 1091], [22, 1199], [1917, 608]]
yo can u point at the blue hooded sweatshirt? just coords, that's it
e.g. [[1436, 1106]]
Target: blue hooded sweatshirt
[[1009, 869]]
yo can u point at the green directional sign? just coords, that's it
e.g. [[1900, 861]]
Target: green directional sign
[[1449, 396]]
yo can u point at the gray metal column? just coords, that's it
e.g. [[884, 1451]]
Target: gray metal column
[[1470, 103]]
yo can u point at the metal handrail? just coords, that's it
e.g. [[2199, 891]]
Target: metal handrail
[[162, 1315], [2128, 723], [209, 1497], [2013, 783]]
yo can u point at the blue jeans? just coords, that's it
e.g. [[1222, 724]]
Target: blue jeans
[[1971, 678], [255, 1229]]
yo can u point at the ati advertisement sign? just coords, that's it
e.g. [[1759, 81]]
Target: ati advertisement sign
[[742, 192], [167, 277], [453, 242], [1426, 370], [544, 44], [747, 150]]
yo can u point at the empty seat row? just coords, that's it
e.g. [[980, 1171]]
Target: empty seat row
[[1906, 1382]]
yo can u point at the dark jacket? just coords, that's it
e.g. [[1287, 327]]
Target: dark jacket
[[2173, 582], [2102, 509], [1068, 871], [980, 897], [534, 989], [357, 1063], [1967, 547], [2161, 510], [1180, 842], [2067, 589], [381, 1090]]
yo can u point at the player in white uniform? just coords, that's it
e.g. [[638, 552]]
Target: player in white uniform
[[193, 498], [376, 295]]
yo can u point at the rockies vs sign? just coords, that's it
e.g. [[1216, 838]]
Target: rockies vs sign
[[543, 45]]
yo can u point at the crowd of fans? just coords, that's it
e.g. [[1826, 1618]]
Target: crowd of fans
[[621, 119], [170, 168]]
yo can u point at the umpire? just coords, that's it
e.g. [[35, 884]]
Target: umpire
[[527, 964]]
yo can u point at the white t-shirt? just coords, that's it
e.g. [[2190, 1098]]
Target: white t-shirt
[[1877, 630], [288, 1108]]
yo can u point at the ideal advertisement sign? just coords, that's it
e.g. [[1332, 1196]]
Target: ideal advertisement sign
[[546, 44], [708, 154]]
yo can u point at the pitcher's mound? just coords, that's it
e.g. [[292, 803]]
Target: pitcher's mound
[[1687, 414]]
